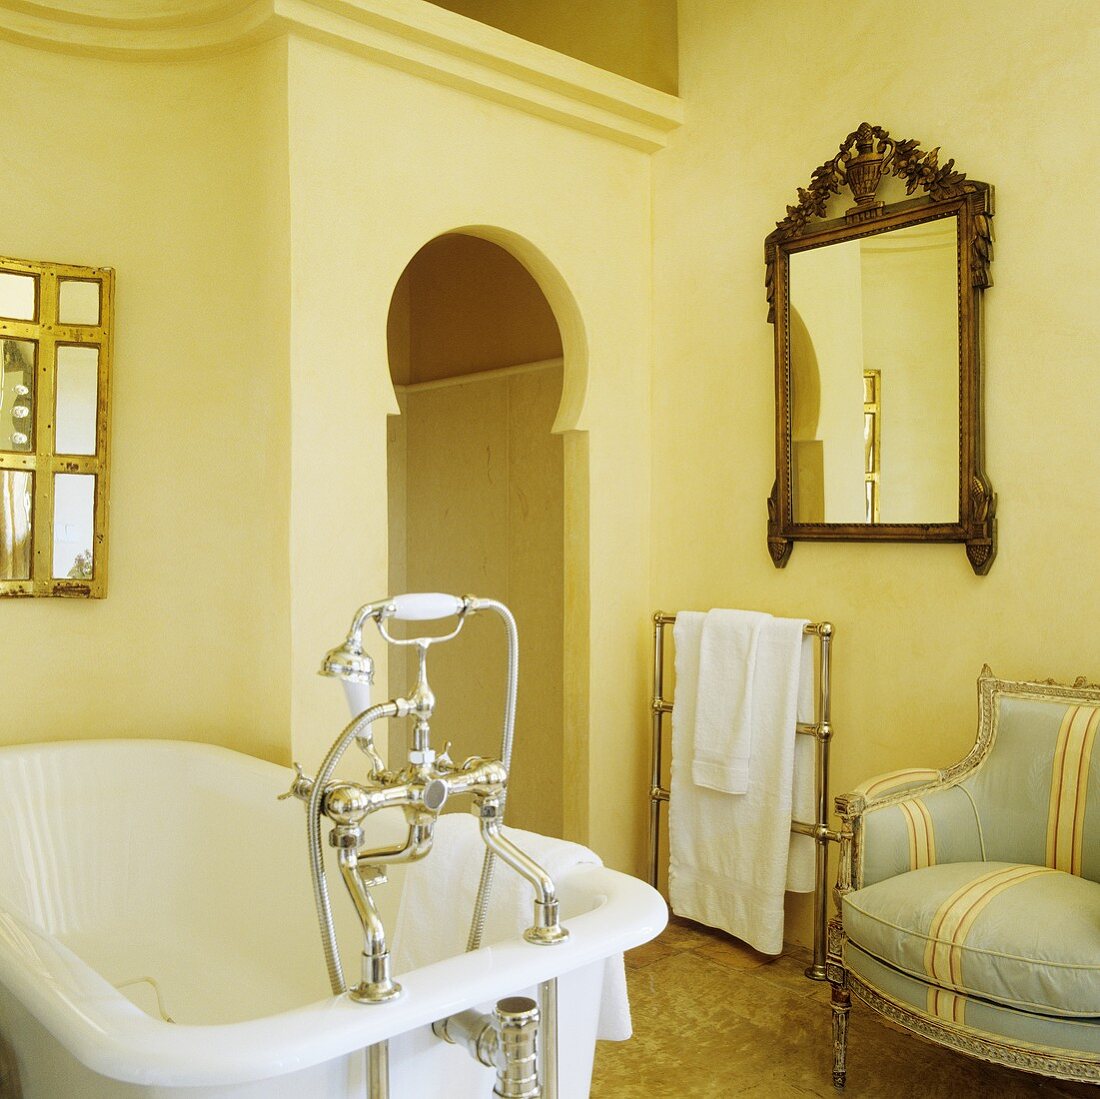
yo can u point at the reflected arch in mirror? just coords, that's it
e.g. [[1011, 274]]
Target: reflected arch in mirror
[[807, 450]]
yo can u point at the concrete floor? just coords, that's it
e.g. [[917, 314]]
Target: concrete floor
[[714, 1019]]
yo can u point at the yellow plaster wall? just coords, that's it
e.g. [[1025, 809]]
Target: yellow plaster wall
[[174, 174], [400, 162], [1003, 88], [636, 39]]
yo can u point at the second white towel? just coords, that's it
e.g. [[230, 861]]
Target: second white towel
[[732, 856]]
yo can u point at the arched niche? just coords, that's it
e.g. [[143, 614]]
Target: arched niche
[[487, 353]]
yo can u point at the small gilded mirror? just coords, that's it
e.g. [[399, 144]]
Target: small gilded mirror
[[877, 317], [55, 351]]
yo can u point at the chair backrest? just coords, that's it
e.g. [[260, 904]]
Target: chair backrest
[[1037, 789]]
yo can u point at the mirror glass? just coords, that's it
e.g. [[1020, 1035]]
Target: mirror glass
[[78, 301], [17, 392], [73, 525], [874, 377], [17, 296], [16, 513], [77, 399]]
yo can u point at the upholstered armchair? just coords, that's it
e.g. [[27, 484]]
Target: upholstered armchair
[[968, 899]]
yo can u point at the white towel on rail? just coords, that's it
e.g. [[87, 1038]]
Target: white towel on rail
[[438, 895], [723, 702], [731, 855]]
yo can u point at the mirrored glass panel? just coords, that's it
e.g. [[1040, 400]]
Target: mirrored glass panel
[[874, 354], [17, 395], [77, 399], [78, 301], [73, 525], [17, 296], [16, 515]]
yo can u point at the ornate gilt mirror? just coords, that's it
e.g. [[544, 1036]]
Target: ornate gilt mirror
[[877, 316]]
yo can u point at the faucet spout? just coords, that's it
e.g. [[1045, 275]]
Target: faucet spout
[[546, 929], [376, 985]]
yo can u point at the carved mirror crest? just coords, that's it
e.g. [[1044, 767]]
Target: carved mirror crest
[[877, 318]]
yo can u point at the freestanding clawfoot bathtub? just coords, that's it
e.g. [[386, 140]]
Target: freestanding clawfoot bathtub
[[145, 881]]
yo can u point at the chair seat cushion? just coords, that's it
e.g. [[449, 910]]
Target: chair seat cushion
[[1025, 936]]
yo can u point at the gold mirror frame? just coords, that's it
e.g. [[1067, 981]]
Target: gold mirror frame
[[866, 156], [48, 330]]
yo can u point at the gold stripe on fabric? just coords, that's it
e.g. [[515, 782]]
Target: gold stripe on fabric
[[1083, 792], [886, 782], [929, 833], [946, 1005], [1069, 788], [957, 915], [918, 823]]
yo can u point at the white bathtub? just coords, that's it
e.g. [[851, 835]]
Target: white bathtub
[[132, 859]]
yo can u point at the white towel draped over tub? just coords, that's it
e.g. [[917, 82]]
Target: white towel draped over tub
[[732, 855], [437, 904]]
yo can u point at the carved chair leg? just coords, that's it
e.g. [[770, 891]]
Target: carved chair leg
[[842, 1005]]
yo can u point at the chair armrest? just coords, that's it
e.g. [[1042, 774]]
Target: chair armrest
[[903, 821]]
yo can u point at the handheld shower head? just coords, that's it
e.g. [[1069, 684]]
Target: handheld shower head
[[354, 668]]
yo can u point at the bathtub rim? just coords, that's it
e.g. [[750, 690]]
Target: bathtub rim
[[108, 1034]]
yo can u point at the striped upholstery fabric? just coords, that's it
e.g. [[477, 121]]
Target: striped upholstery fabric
[[1038, 793], [984, 929], [934, 827], [894, 782], [1045, 1033]]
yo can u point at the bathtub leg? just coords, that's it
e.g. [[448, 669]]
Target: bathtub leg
[[548, 1038], [378, 1071]]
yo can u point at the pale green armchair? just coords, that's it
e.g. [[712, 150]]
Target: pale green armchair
[[968, 899]]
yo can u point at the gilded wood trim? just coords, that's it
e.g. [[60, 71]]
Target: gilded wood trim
[[865, 156]]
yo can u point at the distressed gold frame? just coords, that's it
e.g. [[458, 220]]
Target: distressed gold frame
[[866, 155], [48, 334]]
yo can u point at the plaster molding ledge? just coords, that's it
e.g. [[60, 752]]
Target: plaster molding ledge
[[411, 35]]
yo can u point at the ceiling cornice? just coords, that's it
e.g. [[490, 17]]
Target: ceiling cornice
[[410, 35]]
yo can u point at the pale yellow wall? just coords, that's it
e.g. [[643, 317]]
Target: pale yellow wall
[[769, 94], [400, 162], [174, 174], [635, 39]]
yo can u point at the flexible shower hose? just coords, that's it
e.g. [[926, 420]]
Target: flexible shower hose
[[488, 866], [313, 831]]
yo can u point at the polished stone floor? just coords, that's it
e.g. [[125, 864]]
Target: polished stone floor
[[713, 1019]]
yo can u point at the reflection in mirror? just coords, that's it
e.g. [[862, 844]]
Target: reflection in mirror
[[77, 399], [73, 525], [17, 296], [16, 506], [874, 360], [78, 301], [17, 360]]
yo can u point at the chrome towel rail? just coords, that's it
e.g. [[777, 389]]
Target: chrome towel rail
[[820, 729]]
